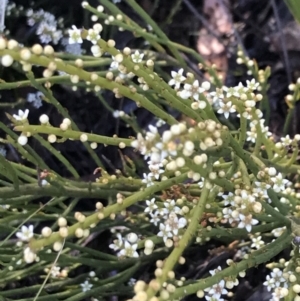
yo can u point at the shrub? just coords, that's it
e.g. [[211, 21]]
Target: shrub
[[216, 172]]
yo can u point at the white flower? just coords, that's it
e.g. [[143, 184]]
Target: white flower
[[86, 286], [147, 179], [252, 85], [247, 222], [93, 36], [277, 275], [55, 271], [279, 182], [165, 231], [226, 108], [155, 219], [257, 242], [137, 57], [174, 223], [217, 290], [278, 231], [117, 243], [155, 170], [217, 96], [251, 136], [129, 250], [28, 255], [22, 115], [228, 199], [26, 233], [269, 283], [74, 35], [227, 214], [151, 206], [213, 298], [35, 99], [191, 90], [286, 141], [215, 271], [232, 91], [177, 79], [170, 206]]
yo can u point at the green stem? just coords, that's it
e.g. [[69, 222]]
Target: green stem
[[173, 258], [107, 211], [262, 255], [70, 134]]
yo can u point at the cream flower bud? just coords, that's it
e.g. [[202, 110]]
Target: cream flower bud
[[11, 44], [127, 51], [22, 140], [62, 222], [272, 172], [257, 207], [149, 244], [206, 85], [63, 232], [3, 43], [46, 231], [198, 160], [67, 121], [180, 162], [166, 136], [7, 60], [57, 246], [25, 54], [189, 145], [48, 50], [175, 129], [44, 119], [132, 237], [111, 43], [52, 138], [83, 137]]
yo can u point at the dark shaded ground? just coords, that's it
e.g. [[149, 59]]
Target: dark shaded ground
[[259, 32]]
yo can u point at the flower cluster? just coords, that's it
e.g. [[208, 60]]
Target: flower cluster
[[47, 26], [126, 247]]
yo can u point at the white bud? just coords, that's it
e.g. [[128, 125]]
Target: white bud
[[7, 60], [22, 140], [83, 137], [132, 237], [67, 121], [272, 172], [119, 58], [44, 119], [37, 49], [175, 129], [46, 231], [11, 44], [205, 85], [48, 50], [166, 136], [180, 162], [62, 222], [25, 54], [149, 244], [57, 246], [52, 138], [198, 160]]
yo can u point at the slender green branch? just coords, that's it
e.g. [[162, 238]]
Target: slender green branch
[[94, 218], [70, 134], [254, 259]]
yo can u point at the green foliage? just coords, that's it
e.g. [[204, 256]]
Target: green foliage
[[214, 173], [294, 7]]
